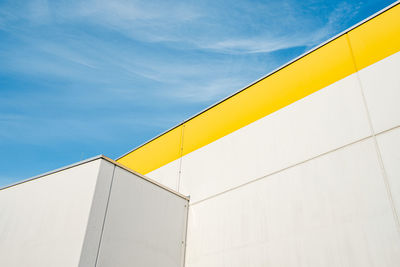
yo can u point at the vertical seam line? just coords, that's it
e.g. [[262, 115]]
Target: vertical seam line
[[377, 149], [105, 215], [185, 233], [180, 158]]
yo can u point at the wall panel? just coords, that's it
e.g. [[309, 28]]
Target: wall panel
[[330, 211], [389, 144], [144, 226], [381, 86], [43, 221]]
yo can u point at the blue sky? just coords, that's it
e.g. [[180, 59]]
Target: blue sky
[[82, 78]]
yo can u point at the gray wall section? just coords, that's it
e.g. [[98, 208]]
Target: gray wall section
[[145, 225]]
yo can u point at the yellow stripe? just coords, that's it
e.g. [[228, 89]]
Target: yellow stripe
[[156, 153], [318, 69], [371, 42], [376, 39]]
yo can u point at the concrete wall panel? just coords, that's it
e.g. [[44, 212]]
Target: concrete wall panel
[[330, 211]]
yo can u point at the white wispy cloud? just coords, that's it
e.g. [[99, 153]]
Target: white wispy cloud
[[193, 25], [196, 26]]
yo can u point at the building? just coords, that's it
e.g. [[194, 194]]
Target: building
[[93, 213], [300, 168]]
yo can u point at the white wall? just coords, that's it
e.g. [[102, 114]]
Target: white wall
[[316, 183], [389, 144], [145, 225], [329, 211], [92, 214], [94, 228], [168, 174], [43, 221], [381, 86]]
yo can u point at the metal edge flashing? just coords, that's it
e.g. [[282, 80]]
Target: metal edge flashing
[[267, 75], [93, 159]]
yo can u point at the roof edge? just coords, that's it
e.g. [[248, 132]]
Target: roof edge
[[53, 171], [93, 159]]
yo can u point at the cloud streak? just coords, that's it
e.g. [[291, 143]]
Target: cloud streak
[[191, 25]]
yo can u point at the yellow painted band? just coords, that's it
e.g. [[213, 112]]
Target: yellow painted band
[[376, 39], [370, 42], [156, 153], [316, 70]]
